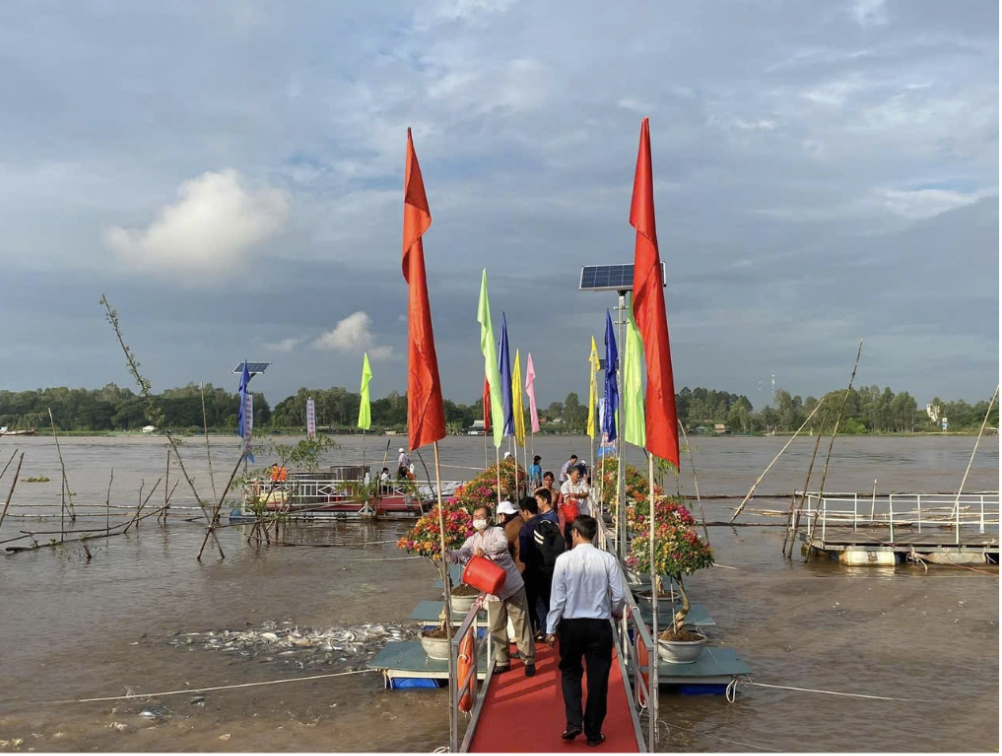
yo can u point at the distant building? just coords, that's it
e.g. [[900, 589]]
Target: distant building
[[148, 429], [719, 429], [478, 425]]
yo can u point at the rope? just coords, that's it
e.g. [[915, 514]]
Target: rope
[[733, 684], [207, 690], [717, 737]]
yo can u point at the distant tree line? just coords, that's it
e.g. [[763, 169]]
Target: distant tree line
[[868, 410]]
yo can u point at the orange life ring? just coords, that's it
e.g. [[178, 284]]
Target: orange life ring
[[465, 663], [644, 662]]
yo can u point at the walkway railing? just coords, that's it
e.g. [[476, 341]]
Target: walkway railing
[[978, 512], [630, 635], [312, 490], [469, 684]]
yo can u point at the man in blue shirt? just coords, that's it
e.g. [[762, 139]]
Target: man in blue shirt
[[588, 591]]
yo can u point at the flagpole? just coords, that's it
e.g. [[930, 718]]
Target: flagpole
[[453, 682], [497, 457], [653, 661]]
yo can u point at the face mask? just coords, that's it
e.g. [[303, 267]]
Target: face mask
[[480, 524]]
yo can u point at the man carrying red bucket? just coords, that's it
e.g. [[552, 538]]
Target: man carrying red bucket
[[492, 570]]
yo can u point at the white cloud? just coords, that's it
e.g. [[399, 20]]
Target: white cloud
[[285, 345], [213, 225], [353, 334], [926, 203]]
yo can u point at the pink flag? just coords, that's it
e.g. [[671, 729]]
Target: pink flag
[[530, 377]]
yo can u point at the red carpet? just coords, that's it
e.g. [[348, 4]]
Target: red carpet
[[526, 714]]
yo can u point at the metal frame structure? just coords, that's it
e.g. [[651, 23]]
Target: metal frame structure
[[459, 687]]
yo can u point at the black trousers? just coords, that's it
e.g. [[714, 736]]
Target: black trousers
[[590, 639], [532, 594]]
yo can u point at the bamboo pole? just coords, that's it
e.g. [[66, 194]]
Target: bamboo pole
[[769, 467], [10, 493], [831, 444], [8, 463], [59, 451], [208, 452], [796, 506], [167, 485], [695, 482], [210, 528], [143, 503], [970, 462], [107, 501], [873, 501]]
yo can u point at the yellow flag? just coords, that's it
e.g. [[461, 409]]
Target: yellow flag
[[516, 401], [593, 368]]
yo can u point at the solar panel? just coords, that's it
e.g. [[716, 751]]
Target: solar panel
[[610, 277], [253, 368]]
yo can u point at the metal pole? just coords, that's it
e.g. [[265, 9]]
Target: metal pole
[[918, 506], [982, 530], [855, 502], [652, 664], [621, 448], [890, 516]]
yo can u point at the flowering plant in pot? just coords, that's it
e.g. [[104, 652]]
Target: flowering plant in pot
[[424, 540], [483, 489], [606, 475], [678, 551]]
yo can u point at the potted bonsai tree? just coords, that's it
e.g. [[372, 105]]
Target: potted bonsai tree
[[423, 540], [678, 551]]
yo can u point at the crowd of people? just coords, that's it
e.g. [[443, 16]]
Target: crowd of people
[[557, 585]]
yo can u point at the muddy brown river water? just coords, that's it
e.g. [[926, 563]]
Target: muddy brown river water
[[143, 616]]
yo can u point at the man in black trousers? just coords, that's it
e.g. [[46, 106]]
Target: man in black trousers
[[588, 592]]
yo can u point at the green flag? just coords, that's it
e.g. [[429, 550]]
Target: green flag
[[489, 347], [632, 391], [364, 408]]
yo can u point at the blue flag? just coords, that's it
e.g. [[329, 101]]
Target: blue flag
[[505, 367], [611, 389], [245, 423]]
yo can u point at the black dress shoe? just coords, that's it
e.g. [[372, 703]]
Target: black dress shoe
[[570, 733], [597, 741], [530, 670]]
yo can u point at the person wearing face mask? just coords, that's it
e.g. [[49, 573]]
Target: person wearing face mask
[[492, 543]]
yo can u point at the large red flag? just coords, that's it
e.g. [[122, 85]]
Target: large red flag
[[425, 413], [649, 310], [487, 405]]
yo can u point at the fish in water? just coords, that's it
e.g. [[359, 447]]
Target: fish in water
[[301, 647]]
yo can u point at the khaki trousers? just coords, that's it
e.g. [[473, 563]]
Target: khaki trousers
[[516, 607]]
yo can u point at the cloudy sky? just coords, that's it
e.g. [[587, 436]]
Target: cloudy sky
[[230, 175]]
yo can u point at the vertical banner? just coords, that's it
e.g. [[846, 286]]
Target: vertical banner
[[248, 425], [311, 419]]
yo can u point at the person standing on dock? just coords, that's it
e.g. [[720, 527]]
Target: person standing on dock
[[491, 543], [403, 463], [535, 473], [574, 495], [572, 462], [588, 592]]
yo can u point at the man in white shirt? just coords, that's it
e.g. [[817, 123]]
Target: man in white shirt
[[572, 462], [403, 463], [574, 493], [588, 591], [492, 543]]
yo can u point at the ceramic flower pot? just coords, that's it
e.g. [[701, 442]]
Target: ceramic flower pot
[[436, 648], [681, 652]]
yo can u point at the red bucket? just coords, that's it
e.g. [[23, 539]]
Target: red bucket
[[484, 575]]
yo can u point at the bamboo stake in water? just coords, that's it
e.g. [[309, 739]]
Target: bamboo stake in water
[[769, 467], [107, 502], [695, 481], [970, 462], [208, 452], [831, 444], [167, 483], [66, 483], [795, 507], [10, 493], [211, 527]]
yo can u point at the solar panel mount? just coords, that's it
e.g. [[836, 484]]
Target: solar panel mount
[[254, 368], [610, 277]]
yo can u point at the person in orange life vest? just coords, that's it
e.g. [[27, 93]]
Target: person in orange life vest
[[278, 473]]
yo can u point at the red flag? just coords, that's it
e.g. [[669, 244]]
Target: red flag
[[487, 406], [425, 413], [649, 310]]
